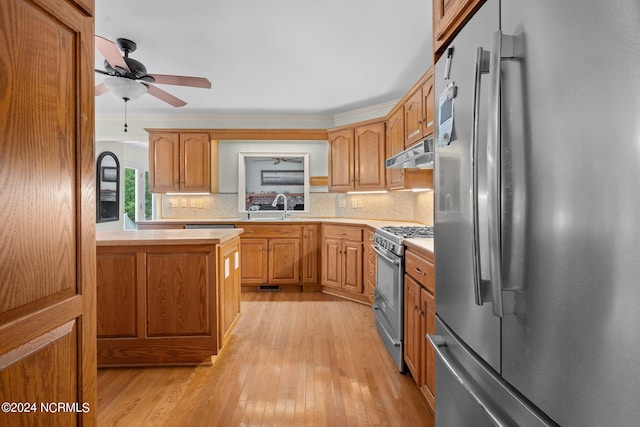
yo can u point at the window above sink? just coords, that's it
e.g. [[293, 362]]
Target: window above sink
[[262, 176]]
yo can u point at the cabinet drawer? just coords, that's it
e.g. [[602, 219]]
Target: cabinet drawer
[[270, 231], [421, 270], [342, 232]]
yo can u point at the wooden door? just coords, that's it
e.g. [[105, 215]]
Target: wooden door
[[341, 162], [413, 118], [47, 176], [427, 353], [164, 162], [195, 162], [310, 254], [352, 266], [284, 261], [412, 322], [253, 255], [369, 157], [428, 105], [395, 144], [331, 263]]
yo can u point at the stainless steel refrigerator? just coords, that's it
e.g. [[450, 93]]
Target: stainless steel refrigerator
[[537, 216]]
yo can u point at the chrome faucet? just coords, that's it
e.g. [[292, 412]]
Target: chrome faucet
[[285, 214]]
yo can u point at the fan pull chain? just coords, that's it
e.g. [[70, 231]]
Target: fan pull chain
[[125, 114]]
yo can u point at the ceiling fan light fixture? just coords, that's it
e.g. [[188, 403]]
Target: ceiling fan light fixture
[[124, 88]]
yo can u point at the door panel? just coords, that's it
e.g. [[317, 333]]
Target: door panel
[[331, 263], [284, 261], [476, 325], [254, 261], [352, 274], [47, 176], [577, 303]]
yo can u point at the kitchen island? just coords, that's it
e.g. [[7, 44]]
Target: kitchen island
[[166, 297]]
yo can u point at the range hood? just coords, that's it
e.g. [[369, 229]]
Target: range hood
[[419, 156]]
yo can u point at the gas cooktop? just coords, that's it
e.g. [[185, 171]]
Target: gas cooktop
[[390, 237], [411, 231]]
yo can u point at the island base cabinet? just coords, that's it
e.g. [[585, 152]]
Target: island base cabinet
[[159, 305], [229, 288]]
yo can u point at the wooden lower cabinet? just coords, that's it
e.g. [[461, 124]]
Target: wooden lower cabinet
[[228, 289], [342, 261], [165, 304], [370, 265], [419, 320], [271, 255], [310, 254]]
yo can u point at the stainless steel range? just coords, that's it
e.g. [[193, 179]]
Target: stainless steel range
[[389, 294]]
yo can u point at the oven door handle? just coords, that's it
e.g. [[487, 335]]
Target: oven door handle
[[394, 261]]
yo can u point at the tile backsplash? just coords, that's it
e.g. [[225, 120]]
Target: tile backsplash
[[402, 205]]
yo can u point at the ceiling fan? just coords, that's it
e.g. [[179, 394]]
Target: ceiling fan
[[277, 160], [128, 78]]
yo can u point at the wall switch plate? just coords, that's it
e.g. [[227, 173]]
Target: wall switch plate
[[359, 203], [183, 203], [193, 203], [173, 203], [342, 203], [199, 204], [354, 203]]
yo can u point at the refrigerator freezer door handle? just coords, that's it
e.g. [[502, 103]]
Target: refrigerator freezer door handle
[[501, 47], [439, 343], [482, 67]]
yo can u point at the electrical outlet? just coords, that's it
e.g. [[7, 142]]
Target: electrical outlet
[[359, 203], [199, 204], [193, 203], [354, 203], [173, 203], [183, 203], [342, 203]]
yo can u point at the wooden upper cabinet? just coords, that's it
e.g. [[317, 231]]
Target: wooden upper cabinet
[[448, 17], [395, 144], [182, 162], [419, 112], [341, 164], [413, 118], [356, 158], [164, 162], [195, 162], [369, 157], [428, 105]]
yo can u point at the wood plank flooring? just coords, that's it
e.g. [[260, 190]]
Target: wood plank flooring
[[294, 359]]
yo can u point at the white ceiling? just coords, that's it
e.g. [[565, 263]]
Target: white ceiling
[[320, 57]]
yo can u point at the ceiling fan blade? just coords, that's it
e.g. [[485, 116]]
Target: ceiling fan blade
[[167, 79], [164, 96], [101, 88], [111, 53]]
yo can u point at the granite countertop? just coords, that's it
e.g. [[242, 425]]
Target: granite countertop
[[166, 237]]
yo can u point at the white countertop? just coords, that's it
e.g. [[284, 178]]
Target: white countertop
[[166, 237]]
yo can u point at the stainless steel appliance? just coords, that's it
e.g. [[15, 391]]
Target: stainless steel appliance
[[419, 156], [389, 294], [536, 206]]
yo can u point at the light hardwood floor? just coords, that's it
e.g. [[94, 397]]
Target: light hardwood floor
[[306, 359]]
